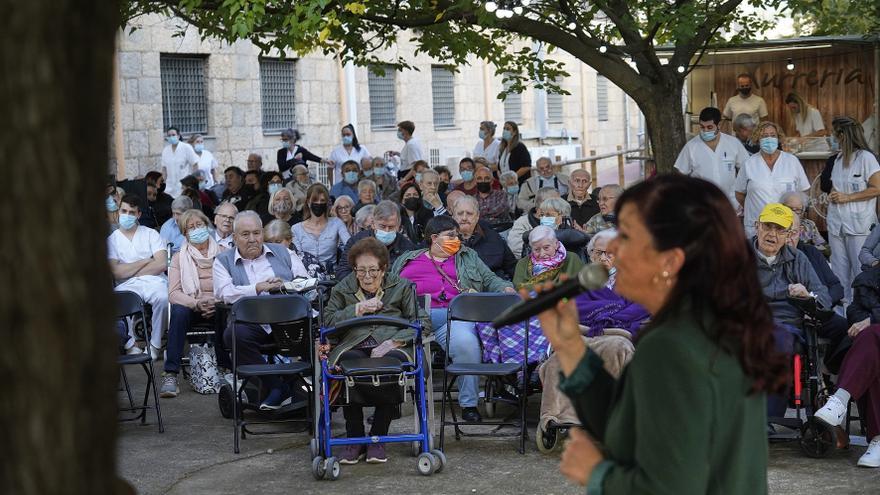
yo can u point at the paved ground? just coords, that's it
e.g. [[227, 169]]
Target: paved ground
[[194, 456]]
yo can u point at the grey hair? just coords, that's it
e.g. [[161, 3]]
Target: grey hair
[[540, 233], [385, 210], [228, 205], [744, 121], [365, 183], [545, 193], [243, 215], [468, 199], [488, 124], [430, 171], [799, 194], [557, 204], [612, 188], [181, 204], [602, 234], [360, 218], [510, 174], [298, 168], [278, 229]]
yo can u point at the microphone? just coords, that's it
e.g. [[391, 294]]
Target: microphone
[[590, 277]]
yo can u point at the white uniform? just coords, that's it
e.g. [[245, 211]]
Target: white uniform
[[339, 156], [153, 289], [178, 164], [411, 152], [808, 122], [719, 167], [850, 223], [762, 185], [207, 164], [490, 153]]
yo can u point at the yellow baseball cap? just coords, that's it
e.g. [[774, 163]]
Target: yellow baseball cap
[[777, 213]]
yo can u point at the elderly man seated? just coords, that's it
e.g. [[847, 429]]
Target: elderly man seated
[[254, 268], [170, 230], [224, 214], [386, 229], [583, 206], [137, 259], [479, 236], [544, 178]]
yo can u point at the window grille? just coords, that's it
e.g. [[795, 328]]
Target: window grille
[[443, 91], [383, 105], [554, 106], [184, 97], [277, 79], [601, 98], [512, 106]]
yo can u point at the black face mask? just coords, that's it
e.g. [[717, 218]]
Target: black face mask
[[744, 91], [484, 187], [412, 204], [443, 186], [318, 209]]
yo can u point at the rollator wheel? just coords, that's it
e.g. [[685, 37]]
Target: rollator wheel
[[547, 438], [225, 399], [318, 468], [425, 464], [314, 448], [441, 457], [332, 469], [817, 439]]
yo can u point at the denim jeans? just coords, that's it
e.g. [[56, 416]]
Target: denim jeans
[[182, 318], [464, 348]]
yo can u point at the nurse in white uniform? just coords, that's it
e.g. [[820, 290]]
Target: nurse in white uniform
[[767, 175], [178, 160], [207, 162], [853, 200]]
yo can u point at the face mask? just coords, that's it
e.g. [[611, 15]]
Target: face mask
[[708, 135], [351, 177], [318, 209], [834, 144], [347, 140], [450, 246], [512, 189], [443, 186], [385, 237], [379, 171], [744, 91], [506, 135], [368, 173], [482, 134], [467, 175], [199, 147], [285, 144], [484, 187], [419, 177], [198, 235], [172, 140], [203, 185], [274, 187], [127, 221], [549, 222], [769, 144], [111, 204], [282, 207], [412, 204], [399, 134]]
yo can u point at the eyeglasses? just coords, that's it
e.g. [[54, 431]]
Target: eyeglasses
[[343, 208], [601, 254], [604, 199], [371, 272], [451, 235], [772, 228], [226, 218]]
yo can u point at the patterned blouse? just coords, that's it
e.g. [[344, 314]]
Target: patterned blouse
[[810, 233], [494, 208]]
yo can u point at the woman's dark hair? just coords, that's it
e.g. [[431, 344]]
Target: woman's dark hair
[[265, 177], [439, 224], [407, 187], [314, 190], [368, 245], [354, 136], [238, 171], [152, 177], [719, 274]]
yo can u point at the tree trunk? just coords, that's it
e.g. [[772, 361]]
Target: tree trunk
[[57, 347], [665, 125]]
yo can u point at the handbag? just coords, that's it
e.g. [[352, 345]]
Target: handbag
[[203, 376]]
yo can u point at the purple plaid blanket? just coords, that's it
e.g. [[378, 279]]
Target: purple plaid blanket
[[505, 345]]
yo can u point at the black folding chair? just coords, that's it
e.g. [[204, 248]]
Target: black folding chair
[[478, 308], [291, 318], [130, 304]]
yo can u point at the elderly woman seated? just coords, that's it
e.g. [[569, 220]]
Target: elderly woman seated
[[370, 290], [364, 218], [281, 207], [480, 237], [343, 209], [366, 194], [547, 261], [556, 214]]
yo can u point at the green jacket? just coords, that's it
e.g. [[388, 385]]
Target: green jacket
[[570, 267], [471, 271], [679, 420], [397, 300]]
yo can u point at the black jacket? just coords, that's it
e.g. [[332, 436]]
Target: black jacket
[[493, 250], [820, 264], [583, 212], [400, 245], [866, 297], [519, 158], [284, 164], [260, 204], [415, 231]]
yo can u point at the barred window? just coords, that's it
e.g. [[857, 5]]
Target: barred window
[[512, 106], [383, 105], [443, 91], [184, 96], [601, 98], [554, 106], [277, 78]]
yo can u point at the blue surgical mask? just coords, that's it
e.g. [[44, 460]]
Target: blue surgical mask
[[769, 144], [482, 134], [274, 187], [368, 173], [833, 143], [399, 134], [708, 135], [385, 237], [198, 235], [199, 147], [512, 189], [351, 177], [347, 140], [203, 185], [506, 135], [285, 144], [467, 175], [419, 177], [549, 222], [172, 140], [111, 204], [127, 221]]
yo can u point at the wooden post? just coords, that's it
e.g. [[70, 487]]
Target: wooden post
[[594, 171], [621, 177]]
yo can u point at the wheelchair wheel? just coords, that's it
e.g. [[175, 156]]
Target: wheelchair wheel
[[314, 448], [425, 464], [318, 468], [817, 439], [224, 399], [332, 469], [441, 458], [415, 448], [548, 437]]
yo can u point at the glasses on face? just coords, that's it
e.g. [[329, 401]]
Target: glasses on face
[[799, 211], [772, 228], [343, 208], [598, 253], [450, 235], [367, 272], [225, 218], [605, 199]]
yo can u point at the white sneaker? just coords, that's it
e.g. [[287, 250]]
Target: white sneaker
[[134, 350], [832, 413], [871, 457]]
